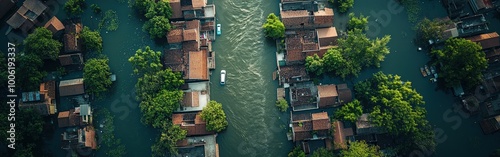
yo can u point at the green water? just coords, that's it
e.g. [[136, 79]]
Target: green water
[[256, 128]]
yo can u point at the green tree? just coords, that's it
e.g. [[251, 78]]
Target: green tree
[[142, 5], [215, 117], [273, 27], [355, 22], [282, 105], [157, 110], [343, 5], [146, 61], [352, 55], [431, 30], [150, 84], [157, 27], [361, 149], [314, 64], [297, 152], [74, 7], [322, 152], [96, 76], [29, 72], [169, 136], [462, 62], [160, 8], [92, 40], [350, 111], [40, 42], [96, 8]]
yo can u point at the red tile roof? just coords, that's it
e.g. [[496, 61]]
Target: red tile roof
[[321, 121], [327, 95], [71, 38], [191, 99], [174, 59], [176, 9], [295, 18], [488, 40], [192, 123], [54, 25], [323, 17], [175, 36], [198, 66], [327, 36], [90, 138], [193, 24], [191, 35]]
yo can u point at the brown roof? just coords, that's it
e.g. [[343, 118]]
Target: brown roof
[[327, 36], [174, 59], [191, 35], [208, 26], [293, 73], [71, 87], [71, 38], [327, 95], [198, 4], [70, 59], [90, 138], [191, 122], [49, 88], [176, 9], [175, 36], [193, 24], [28, 12], [294, 56], [310, 47], [177, 24], [68, 118], [198, 66], [324, 17], [340, 134], [345, 94], [54, 25], [191, 99], [321, 121], [487, 40], [190, 46], [295, 18]]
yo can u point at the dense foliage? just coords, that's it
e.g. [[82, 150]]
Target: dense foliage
[[352, 55], [29, 72], [40, 42], [91, 40], [282, 105], [412, 9], [297, 152], [96, 8], [215, 117], [167, 141], [361, 149], [356, 22], [343, 5], [157, 27], [394, 105], [157, 13], [157, 110], [28, 140], [110, 21], [146, 61], [463, 62], [431, 30], [151, 83], [96, 76], [74, 7], [273, 27], [322, 152], [350, 111]]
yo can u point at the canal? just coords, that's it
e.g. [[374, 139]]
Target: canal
[[256, 127]]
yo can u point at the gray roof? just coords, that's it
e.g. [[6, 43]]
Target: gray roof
[[84, 110]]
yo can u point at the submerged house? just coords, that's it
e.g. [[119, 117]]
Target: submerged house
[[29, 16], [481, 6], [202, 146], [327, 95], [293, 74], [71, 87], [490, 125], [71, 38], [345, 94], [54, 25], [192, 123], [340, 135], [314, 17], [42, 101], [196, 97], [79, 116], [315, 126], [487, 40], [304, 97]]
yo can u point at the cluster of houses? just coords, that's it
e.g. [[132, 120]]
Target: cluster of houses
[[308, 31], [475, 28], [190, 53], [75, 118]]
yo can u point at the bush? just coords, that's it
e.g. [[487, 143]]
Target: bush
[[282, 105]]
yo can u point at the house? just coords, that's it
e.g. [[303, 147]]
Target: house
[[340, 135], [192, 123], [364, 126], [54, 25], [492, 55], [71, 59], [491, 83], [205, 146], [176, 9], [312, 126], [345, 94], [314, 17], [327, 96], [28, 16], [85, 113], [481, 5], [198, 66], [472, 25], [87, 139], [487, 40], [43, 101], [490, 125], [191, 9], [304, 96], [71, 87], [6, 6], [327, 36], [293, 74], [71, 38], [196, 97], [69, 118], [175, 59]]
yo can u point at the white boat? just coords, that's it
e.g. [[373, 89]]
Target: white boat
[[218, 29], [223, 77]]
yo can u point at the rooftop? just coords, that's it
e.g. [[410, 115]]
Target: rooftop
[[175, 36], [54, 25], [174, 59], [191, 122], [71, 87], [487, 40], [293, 73], [198, 66]]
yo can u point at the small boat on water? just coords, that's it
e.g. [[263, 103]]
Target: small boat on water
[[433, 69], [423, 72], [218, 29], [223, 77], [427, 70]]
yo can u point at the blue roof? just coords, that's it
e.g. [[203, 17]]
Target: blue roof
[[31, 96]]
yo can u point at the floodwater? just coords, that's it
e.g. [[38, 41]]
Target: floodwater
[[256, 127]]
